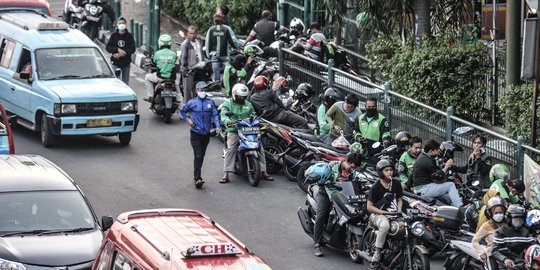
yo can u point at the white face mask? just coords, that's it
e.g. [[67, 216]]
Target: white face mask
[[517, 222], [121, 27], [498, 217], [201, 94]]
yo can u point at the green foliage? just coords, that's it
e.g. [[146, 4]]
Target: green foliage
[[440, 73], [516, 109], [242, 15]]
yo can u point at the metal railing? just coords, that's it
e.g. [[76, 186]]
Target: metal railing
[[405, 113]]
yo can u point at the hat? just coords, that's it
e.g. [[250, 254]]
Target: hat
[[200, 85], [315, 25]]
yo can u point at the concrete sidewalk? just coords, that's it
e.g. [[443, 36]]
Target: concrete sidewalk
[[137, 11]]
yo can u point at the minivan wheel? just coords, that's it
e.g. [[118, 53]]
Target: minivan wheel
[[124, 138], [47, 138]]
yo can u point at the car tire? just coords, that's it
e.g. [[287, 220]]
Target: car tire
[[47, 137], [125, 138]]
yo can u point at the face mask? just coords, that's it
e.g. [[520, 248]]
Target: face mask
[[517, 222], [371, 112], [498, 218], [121, 27], [201, 94]]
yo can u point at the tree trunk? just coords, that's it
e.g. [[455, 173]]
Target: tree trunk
[[422, 18]]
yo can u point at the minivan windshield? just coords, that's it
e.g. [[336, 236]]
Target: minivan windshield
[[71, 63], [44, 212]]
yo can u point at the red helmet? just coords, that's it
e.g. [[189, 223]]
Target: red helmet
[[280, 82], [532, 255], [261, 82]]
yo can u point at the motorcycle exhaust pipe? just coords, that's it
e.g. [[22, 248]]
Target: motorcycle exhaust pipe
[[306, 222], [290, 160], [272, 157], [365, 256]]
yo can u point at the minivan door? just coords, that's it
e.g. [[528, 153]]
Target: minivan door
[[14, 95]]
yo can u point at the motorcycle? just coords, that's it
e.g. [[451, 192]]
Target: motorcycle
[[463, 256], [73, 14], [249, 149], [165, 102], [92, 19], [347, 219], [400, 249]]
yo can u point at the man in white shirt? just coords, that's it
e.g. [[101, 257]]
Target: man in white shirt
[[191, 54]]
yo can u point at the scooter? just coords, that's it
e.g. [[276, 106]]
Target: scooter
[[463, 256], [249, 149], [165, 102], [92, 19]]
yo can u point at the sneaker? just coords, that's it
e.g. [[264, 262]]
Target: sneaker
[[376, 256], [318, 252]]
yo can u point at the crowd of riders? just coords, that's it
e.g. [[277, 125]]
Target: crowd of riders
[[503, 237]]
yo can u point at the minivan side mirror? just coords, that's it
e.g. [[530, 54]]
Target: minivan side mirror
[[13, 121], [106, 222]]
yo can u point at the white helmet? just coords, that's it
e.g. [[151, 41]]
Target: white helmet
[[240, 90]]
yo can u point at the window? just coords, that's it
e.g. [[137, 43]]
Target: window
[[6, 52], [24, 60], [121, 262]]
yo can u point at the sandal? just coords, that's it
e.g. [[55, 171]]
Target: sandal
[[199, 182], [267, 177], [224, 180]]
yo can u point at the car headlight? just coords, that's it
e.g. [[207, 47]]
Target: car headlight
[[9, 265], [128, 106], [418, 228], [68, 108]]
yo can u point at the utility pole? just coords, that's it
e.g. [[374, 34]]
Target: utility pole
[[535, 86], [513, 42]]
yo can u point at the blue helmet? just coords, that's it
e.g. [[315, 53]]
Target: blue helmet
[[319, 172]]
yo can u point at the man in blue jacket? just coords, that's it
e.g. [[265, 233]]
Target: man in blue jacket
[[202, 113]]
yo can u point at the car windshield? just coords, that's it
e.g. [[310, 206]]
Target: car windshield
[[41, 211], [71, 63]]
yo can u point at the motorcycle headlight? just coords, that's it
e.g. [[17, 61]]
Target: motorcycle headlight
[[68, 109], [418, 228], [9, 265], [128, 106]]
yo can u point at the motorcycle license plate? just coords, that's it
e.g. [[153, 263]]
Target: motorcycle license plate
[[250, 130], [359, 198], [99, 122], [168, 93]]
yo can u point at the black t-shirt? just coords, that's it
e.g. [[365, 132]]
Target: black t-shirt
[[376, 195]]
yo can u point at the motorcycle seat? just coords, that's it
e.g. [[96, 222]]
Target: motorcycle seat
[[308, 137], [339, 150]]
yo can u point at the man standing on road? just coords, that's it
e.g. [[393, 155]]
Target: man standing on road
[[203, 113], [121, 46], [219, 39], [191, 55]]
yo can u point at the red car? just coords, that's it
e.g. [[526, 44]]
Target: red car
[[176, 239], [6, 136], [38, 5]]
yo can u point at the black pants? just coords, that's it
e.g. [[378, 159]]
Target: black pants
[[323, 211], [199, 144]]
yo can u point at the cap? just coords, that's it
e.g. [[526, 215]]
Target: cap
[[200, 84]]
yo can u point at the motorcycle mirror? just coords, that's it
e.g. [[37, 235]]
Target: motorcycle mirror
[[376, 145], [181, 33], [462, 130], [475, 183]]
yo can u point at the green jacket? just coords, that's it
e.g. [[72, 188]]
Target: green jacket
[[499, 186], [405, 166], [324, 127], [374, 130], [232, 76], [239, 112], [165, 60]]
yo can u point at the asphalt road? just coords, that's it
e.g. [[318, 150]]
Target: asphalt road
[[155, 171]]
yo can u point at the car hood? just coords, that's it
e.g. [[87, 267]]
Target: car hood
[[51, 250], [91, 90]]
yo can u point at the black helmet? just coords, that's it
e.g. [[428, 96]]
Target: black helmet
[[448, 148], [331, 96], [402, 139], [383, 163], [304, 91], [517, 184], [515, 211], [238, 61]]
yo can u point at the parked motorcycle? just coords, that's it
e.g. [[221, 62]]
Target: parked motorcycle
[[463, 256], [400, 249], [347, 219], [73, 14], [92, 19]]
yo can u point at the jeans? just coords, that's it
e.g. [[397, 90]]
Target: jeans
[[124, 74], [447, 190], [230, 154], [198, 143], [218, 64], [382, 223], [323, 211]]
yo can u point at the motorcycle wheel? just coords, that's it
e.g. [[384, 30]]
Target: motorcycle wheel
[[289, 172], [254, 174], [457, 263], [300, 178], [354, 249], [369, 247], [271, 166], [167, 115], [420, 261]]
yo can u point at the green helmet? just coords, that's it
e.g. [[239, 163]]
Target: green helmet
[[164, 40], [251, 50], [499, 171]]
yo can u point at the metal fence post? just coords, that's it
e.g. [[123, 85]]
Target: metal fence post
[[141, 34], [449, 113], [117, 9], [520, 157], [306, 8], [136, 34], [132, 28], [330, 73], [149, 22], [281, 59], [387, 101], [281, 12]]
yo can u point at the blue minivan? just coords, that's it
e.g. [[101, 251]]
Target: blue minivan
[[58, 82]]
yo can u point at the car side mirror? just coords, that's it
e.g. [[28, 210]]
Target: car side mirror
[[24, 75], [106, 222], [117, 72]]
